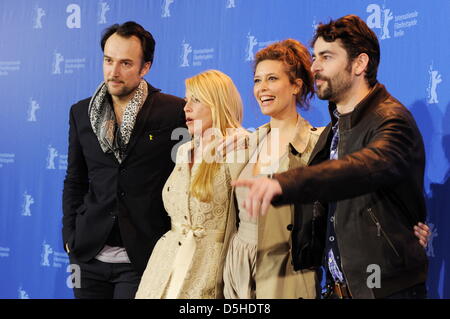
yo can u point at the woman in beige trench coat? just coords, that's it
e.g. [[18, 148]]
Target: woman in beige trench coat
[[258, 263]]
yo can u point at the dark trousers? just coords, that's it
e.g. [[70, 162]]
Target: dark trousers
[[416, 292], [100, 280]]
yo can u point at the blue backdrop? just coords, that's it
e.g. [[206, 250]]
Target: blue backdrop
[[50, 58]]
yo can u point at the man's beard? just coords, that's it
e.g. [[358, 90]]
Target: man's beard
[[336, 87]]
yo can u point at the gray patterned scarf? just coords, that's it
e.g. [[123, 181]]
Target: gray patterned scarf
[[114, 139]]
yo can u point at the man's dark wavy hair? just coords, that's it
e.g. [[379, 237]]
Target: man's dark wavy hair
[[128, 29], [356, 37]]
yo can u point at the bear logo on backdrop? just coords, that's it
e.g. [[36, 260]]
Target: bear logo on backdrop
[[52, 155], [22, 293], [314, 24], [166, 8], [254, 45], [435, 79], [57, 59], [103, 7], [381, 17], [47, 250], [186, 50], [33, 107], [231, 4], [197, 57], [28, 200], [251, 43], [39, 14]]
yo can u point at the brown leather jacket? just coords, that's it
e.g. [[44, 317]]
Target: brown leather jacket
[[377, 184]]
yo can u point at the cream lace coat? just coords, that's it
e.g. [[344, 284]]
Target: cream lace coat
[[187, 262]]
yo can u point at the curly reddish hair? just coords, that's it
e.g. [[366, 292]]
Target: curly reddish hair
[[297, 60]]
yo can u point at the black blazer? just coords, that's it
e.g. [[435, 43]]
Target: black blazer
[[98, 190]]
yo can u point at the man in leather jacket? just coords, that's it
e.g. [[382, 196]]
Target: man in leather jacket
[[363, 190]]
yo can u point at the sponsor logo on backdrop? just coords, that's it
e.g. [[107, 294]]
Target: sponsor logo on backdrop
[[254, 45], [28, 200], [52, 258], [381, 17], [197, 57], [435, 80], [32, 108], [22, 293], [73, 20], [7, 158], [231, 4], [39, 13], [4, 252], [433, 235], [55, 160], [6, 67], [103, 7], [166, 8], [67, 66]]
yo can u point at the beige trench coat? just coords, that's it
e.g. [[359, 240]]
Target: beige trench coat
[[275, 276]]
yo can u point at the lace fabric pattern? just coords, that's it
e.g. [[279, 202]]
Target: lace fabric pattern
[[204, 222]]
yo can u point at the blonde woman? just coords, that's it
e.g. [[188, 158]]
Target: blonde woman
[[187, 262]]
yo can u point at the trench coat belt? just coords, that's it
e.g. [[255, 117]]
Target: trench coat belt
[[185, 254]]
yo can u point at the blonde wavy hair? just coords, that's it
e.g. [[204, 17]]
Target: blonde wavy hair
[[216, 90]]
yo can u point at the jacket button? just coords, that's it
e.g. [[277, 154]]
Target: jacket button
[[122, 194], [290, 227], [313, 129]]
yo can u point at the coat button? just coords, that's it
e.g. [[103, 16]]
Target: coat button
[[290, 227]]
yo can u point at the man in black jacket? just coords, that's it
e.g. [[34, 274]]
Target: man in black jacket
[[363, 191], [119, 158]]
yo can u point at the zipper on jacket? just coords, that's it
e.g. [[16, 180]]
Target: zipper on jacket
[[341, 261], [381, 231], [315, 215]]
